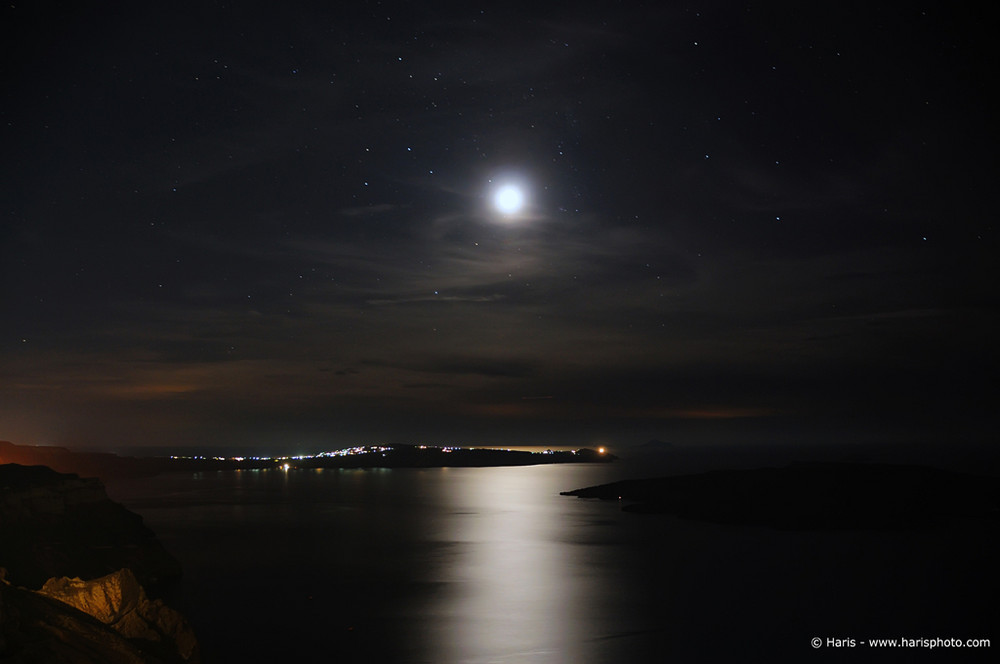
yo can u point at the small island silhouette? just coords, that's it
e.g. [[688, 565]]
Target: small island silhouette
[[812, 496]]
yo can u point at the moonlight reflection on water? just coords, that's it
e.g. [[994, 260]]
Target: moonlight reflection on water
[[493, 565]]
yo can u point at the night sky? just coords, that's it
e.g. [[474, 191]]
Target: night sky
[[257, 224]]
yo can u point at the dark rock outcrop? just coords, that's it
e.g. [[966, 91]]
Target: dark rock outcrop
[[127, 629], [35, 628], [813, 496], [117, 600], [55, 524]]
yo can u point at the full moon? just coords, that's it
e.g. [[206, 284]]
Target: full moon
[[508, 199]]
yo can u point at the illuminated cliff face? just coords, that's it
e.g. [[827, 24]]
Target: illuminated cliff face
[[107, 620], [117, 600], [60, 525]]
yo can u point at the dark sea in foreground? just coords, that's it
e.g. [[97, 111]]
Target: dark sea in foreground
[[484, 565]]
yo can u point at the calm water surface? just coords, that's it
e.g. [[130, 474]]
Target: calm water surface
[[493, 565]]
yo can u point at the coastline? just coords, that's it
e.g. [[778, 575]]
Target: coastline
[[109, 466], [809, 496]]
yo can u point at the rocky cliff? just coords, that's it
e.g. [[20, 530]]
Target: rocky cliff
[[56, 524], [118, 601], [109, 620], [90, 557]]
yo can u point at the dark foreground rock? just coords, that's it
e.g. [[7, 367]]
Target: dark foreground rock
[[57, 524], [90, 557], [102, 621], [813, 496], [118, 601]]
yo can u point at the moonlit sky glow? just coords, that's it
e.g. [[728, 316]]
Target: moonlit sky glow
[[286, 225]]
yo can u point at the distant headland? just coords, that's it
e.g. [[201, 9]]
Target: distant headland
[[110, 466], [399, 456]]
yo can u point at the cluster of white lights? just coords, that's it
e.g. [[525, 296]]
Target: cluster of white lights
[[353, 451], [359, 449]]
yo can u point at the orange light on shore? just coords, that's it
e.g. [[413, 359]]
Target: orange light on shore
[[601, 450]]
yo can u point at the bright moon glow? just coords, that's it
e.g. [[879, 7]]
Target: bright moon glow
[[508, 199]]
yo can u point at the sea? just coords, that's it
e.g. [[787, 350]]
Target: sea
[[493, 565]]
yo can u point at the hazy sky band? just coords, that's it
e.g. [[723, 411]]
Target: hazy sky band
[[226, 222]]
